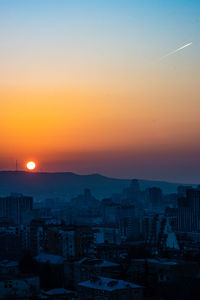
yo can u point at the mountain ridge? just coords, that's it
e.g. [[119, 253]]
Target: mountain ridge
[[69, 184]]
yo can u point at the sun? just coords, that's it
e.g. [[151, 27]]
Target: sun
[[31, 165]]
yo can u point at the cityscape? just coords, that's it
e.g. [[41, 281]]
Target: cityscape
[[136, 244], [99, 150]]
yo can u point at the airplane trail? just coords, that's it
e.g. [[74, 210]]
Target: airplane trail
[[173, 52]]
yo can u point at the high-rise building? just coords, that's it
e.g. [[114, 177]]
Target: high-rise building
[[182, 190], [132, 194], [14, 206], [189, 211], [60, 241], [154, 196]]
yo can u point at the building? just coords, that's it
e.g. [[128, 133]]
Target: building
[[111, 213], [132, 194], [109, 289], [87, 268], [59, 294], [135, 228], [84, 242], [51, 270], [127, 212], [19, 286], [189, 211], [166, 278], [112, 252], [153, 197], [182, 190], [60, 241], [152, 225], [86, 201], [10, 244], [163, 270], [9, 267], [38, 236], [15, 206], [107, 233]]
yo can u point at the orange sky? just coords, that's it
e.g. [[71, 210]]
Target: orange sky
[[76, 82]]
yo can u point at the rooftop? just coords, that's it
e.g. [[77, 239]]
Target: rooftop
[[108, 284], [57, 291], [18, 276], [8, 263], [52, 259], [97, 262], [160, 261]]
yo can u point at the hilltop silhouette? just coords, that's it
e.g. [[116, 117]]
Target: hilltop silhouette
[[69, 184]]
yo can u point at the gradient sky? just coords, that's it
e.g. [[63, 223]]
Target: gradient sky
[[83, 89]]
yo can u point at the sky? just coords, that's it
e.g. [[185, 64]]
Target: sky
[[86, 86]]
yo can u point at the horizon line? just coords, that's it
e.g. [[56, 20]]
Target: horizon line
[[92, 174]]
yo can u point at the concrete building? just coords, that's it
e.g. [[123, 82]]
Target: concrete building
[[50, 270], [132, 194], [84, 242], [19, 286], [154, 270], [87, 268], [60, 241], [111, 213], [153, 197], [59, 294], [107, 233], [189, 211], [9, 267], [10, 244], [15, 206], [109, 289]]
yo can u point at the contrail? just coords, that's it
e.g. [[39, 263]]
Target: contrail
[[173, 52]]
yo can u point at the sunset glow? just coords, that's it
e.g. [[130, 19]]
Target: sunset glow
[[83, 87]]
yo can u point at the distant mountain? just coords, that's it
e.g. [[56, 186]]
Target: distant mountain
[[68, 185]]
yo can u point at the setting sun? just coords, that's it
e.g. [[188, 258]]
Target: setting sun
[[31, 165]]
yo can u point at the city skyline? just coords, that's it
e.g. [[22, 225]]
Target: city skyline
[[83, 87]]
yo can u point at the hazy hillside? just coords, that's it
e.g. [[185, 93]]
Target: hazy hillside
[[68, 184]]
